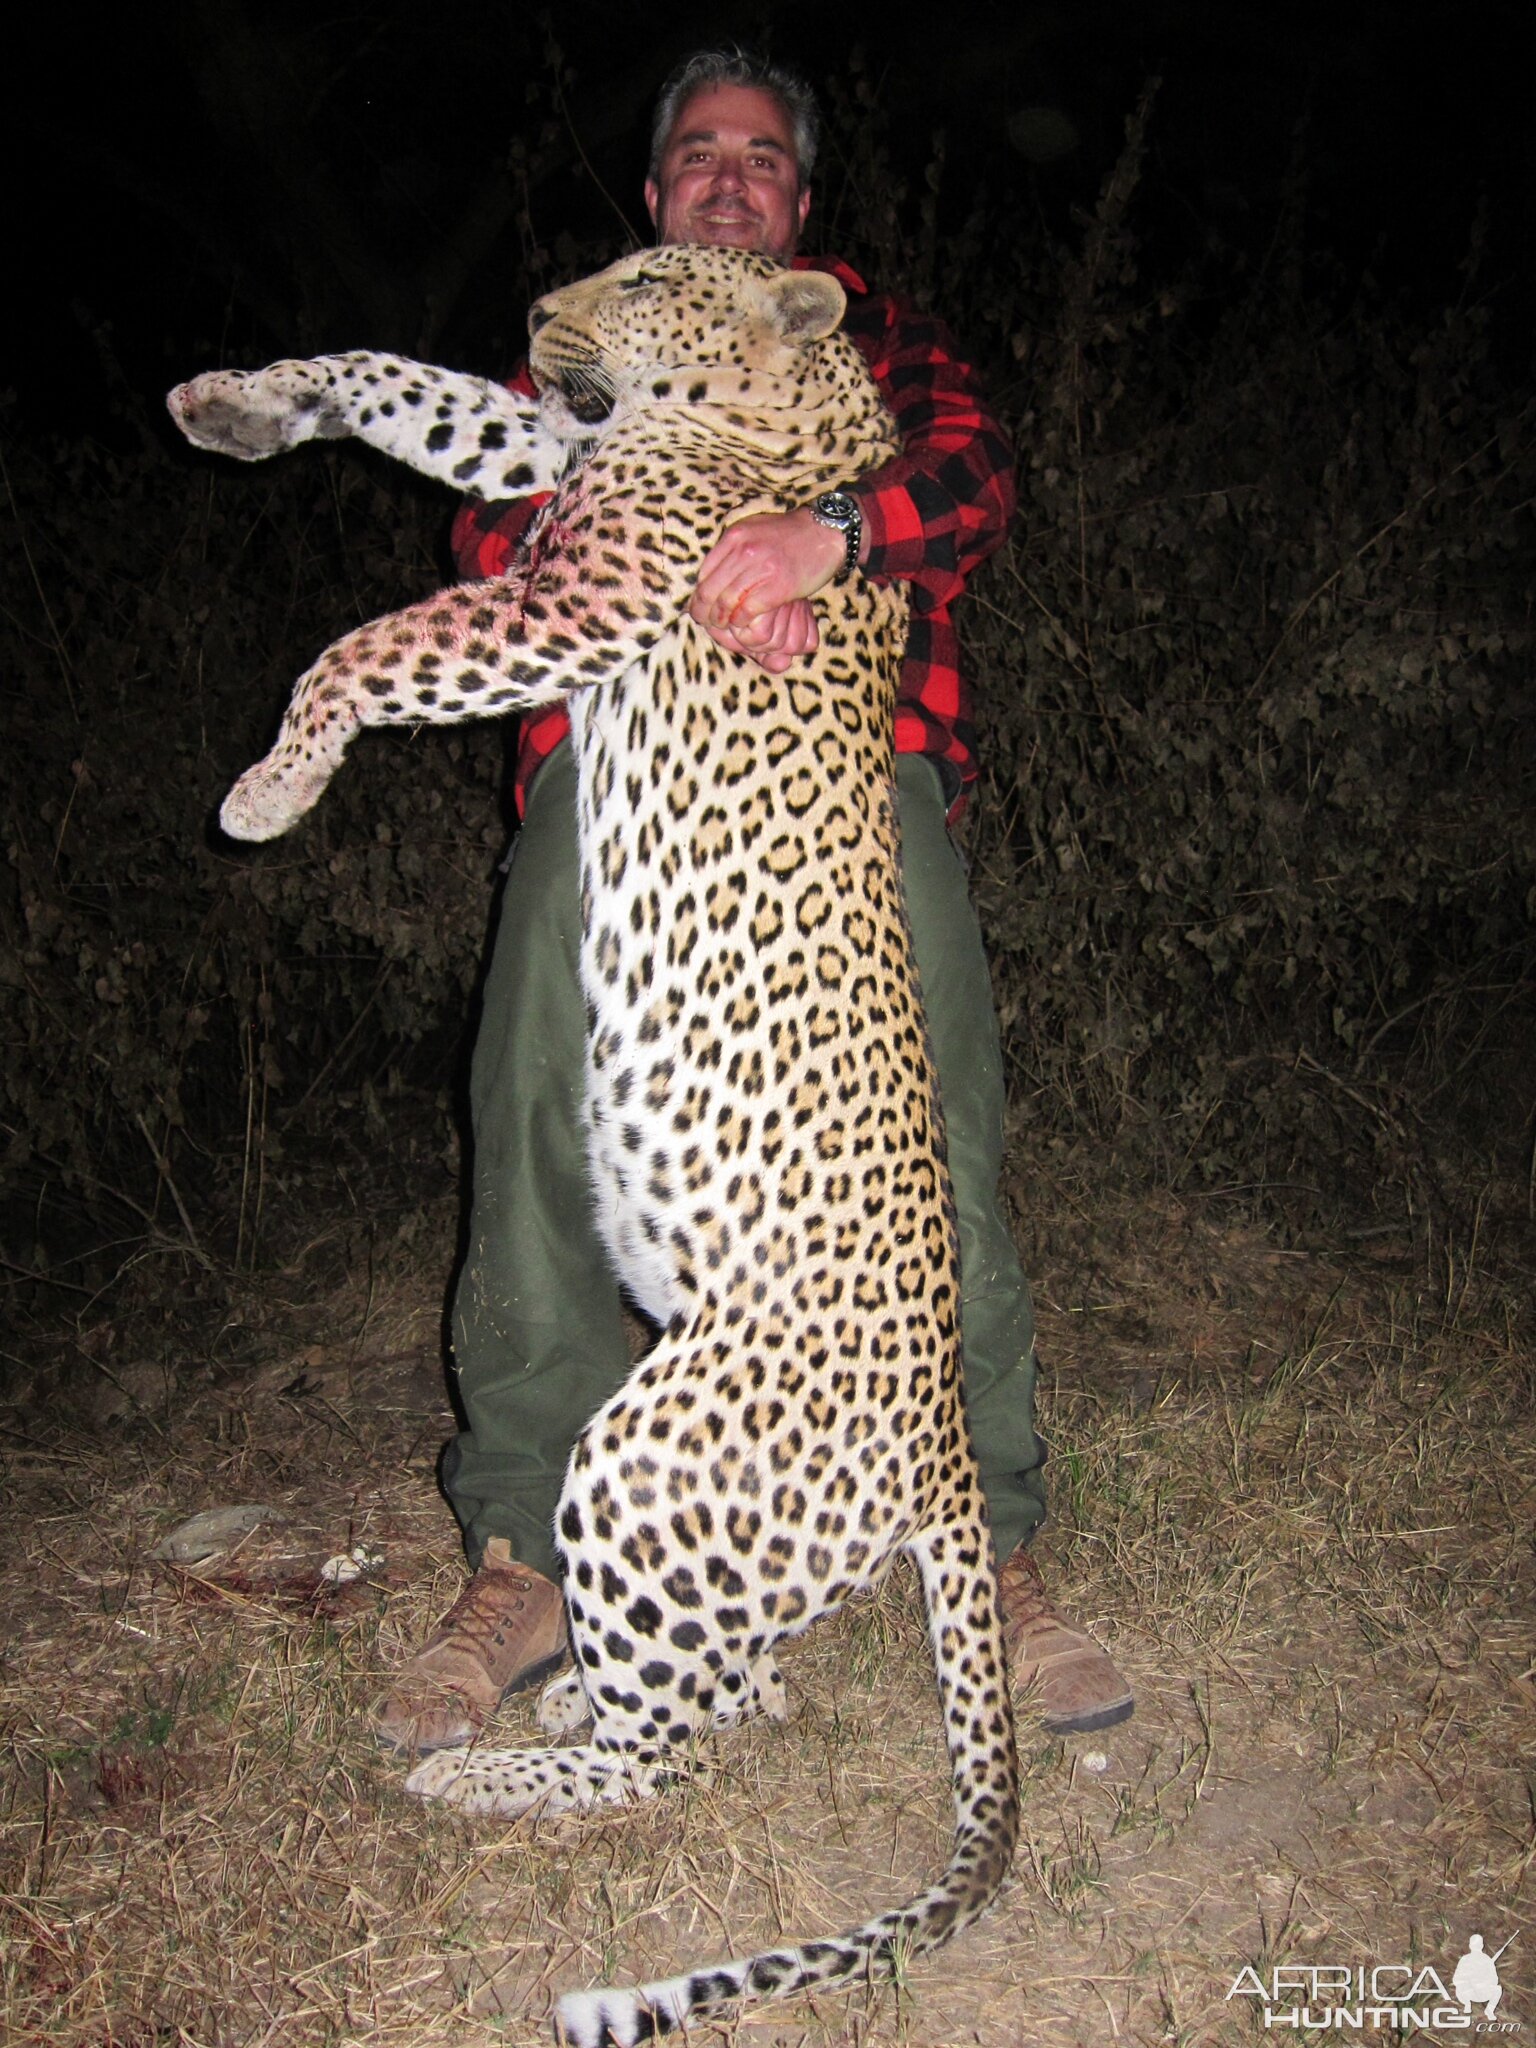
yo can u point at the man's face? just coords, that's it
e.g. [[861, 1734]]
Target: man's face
[[728, 176]]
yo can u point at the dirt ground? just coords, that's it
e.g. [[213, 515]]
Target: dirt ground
[[1294, 1494]]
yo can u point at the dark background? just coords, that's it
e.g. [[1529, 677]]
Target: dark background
[[199, 177]]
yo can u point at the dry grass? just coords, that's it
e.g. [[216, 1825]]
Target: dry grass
[[1296, 1496]]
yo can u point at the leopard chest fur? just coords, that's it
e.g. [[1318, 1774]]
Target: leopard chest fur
[[759, 1095]]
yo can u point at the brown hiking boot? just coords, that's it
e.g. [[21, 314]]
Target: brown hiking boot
[[1073, 1686], [505, 1631]]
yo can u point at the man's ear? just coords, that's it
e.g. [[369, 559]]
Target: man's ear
[[652, 200], [804, 305]]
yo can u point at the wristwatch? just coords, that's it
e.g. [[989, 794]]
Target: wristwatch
[[840, 511]]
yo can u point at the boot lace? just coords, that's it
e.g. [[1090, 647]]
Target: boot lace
[[481, 1610]]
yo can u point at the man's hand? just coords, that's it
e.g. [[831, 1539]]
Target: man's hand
[[755, 582]]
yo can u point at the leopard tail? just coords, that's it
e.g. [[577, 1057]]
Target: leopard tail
[[959, 1584]]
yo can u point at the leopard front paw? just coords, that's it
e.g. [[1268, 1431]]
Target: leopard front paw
[[251, 414], [563, 1704], [505, 1782], [268, 800]]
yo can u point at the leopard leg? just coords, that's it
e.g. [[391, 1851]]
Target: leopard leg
[[468, 653], [480, 651], [566, 619], [466, 432], [585, 1775], [508, 1782]]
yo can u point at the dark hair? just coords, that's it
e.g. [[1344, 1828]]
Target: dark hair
[[708, 68]]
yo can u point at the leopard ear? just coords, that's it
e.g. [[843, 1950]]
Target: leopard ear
[[805, 305]]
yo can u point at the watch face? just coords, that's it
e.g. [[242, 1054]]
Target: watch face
[[836, 508]]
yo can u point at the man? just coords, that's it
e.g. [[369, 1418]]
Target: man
[[538, 1340]]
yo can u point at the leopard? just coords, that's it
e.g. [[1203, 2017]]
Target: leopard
[[766, 1145]]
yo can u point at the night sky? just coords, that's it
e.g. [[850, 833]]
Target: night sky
[[237, 179]]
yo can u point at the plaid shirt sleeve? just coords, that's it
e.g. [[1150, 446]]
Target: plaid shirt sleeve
[[934, 513], [931, 515]]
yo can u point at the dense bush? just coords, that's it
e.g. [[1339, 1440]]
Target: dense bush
[[1259, 863], [1255, 851], [169, 1003]]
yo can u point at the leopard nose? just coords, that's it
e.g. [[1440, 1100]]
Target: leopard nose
[[539, 316]]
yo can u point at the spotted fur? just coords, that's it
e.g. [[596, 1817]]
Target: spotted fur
[[767, 1159]]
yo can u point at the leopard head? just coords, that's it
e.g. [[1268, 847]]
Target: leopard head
[[678, 325]]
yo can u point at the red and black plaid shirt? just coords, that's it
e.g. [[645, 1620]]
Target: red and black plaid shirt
[[930, 517]]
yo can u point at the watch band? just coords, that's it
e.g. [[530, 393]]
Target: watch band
[[840, 510]]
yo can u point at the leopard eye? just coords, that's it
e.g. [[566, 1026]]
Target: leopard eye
[[640, 278]]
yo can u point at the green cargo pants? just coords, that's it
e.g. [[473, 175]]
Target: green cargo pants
[[538, 1341]]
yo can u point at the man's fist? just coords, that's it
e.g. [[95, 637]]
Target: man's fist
[[755, 582]]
